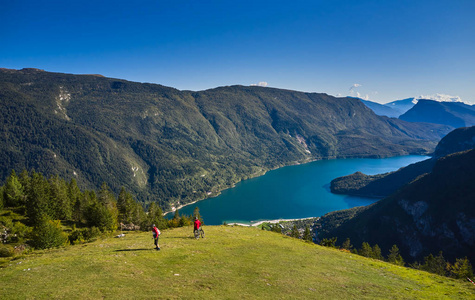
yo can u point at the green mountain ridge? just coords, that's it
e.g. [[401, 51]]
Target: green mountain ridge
[[230, 263], [383, 185], [175, 147]]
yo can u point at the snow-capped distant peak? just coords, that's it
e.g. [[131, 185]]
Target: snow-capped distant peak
[[439, 98]]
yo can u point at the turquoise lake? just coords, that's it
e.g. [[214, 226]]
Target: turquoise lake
[[298, 191]]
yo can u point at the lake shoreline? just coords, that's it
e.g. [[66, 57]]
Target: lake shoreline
[[255, 175], [271, 221], [309, 186]]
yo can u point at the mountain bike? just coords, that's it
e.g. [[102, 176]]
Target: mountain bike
[[199, 232]]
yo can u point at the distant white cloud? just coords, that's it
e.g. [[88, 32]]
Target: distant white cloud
[[440, 98], [353, 92], [262, 83]]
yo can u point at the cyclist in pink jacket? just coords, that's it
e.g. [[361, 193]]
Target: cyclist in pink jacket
[[156, 235]]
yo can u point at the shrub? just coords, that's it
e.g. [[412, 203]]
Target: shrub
[[76, 237], [48, 234], [6, 251], [329, 242], [19, 232], [80, 236], [90, 234]]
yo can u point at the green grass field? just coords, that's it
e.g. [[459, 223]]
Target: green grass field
[[230, 263]]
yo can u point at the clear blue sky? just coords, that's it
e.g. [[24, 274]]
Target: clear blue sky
[[393, 49]]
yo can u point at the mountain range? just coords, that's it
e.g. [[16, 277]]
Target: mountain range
[[401, 106], [443, 106], [175, 147], [382, 109]]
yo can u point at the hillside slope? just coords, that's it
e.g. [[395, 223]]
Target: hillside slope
[[230, 263], [434, 213], [175, 146]]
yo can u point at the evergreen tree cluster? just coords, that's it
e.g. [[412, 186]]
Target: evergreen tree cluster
[[38, 210], [461, 269]]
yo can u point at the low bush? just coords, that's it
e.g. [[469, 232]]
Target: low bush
[[6, 251], [48, 234]]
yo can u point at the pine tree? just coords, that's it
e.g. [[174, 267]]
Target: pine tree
[[155, 216], [461, 269], [98, 215], [376, 253], [295, 232], [365, 250], [126, 207], [13, 191], [196, 214], [435, 264], [38, 200], [1, 198], [394, 257], [60, 200], [107, 200], [24, 179], [76, 199], [347, 244], [307, 234]]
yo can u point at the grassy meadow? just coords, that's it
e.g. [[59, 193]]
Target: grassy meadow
[[229, 263]]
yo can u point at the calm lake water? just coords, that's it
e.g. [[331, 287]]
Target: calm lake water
[[298, 191]]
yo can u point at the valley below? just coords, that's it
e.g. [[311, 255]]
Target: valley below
[[175, 147]]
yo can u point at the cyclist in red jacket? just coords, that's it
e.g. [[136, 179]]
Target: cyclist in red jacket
[[197, 224], [197, 228]]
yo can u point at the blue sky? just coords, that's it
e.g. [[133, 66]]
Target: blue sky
[[387, 50]]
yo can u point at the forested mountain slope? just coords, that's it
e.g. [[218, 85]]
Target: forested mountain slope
[[174, 146], [382, 185], [434, 213]]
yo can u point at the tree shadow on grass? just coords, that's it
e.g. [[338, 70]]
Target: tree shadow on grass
[[180, 237], [140, 249]]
